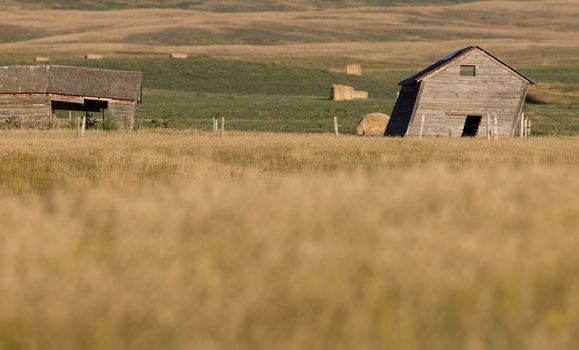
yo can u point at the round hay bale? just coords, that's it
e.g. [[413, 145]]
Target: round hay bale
[[373, 125]]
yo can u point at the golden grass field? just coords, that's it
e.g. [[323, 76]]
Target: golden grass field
[[171, 239], [185, 240]]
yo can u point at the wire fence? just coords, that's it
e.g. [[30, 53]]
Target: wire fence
[[326, 125]]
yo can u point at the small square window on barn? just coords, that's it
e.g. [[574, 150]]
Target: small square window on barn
[[467, 71]]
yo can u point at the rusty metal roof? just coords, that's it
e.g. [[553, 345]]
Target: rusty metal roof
[[74, 81]]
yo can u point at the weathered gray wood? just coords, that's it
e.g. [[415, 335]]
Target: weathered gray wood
[[124, 113], [496, 133], [222, 126], [83, 126], [422, 117], [25, 110], [488, 128], [446, 99]]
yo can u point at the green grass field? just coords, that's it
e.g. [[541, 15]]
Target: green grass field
[[279, 97]]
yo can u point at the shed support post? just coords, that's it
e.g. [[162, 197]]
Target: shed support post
[[529, 128], [496, 126], [70, 119], [422, 126]]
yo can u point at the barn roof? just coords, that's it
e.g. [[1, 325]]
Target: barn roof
[[447, 60], [75, 81]]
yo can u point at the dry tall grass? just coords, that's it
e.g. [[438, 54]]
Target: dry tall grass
[[184, 241]]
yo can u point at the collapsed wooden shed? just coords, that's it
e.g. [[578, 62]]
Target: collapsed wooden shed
[[457, 96], [29, 95]]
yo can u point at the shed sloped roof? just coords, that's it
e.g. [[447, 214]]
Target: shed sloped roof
[[447, 60], [75, 81], [14, 80]]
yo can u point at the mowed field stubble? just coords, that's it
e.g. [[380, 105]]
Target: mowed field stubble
[[289, 238]]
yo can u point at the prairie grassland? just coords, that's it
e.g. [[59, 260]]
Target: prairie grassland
[[182, 240], [543, 33]]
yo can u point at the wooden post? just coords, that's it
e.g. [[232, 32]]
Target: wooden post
[[83, 126], [70, 119], [529, 128], [496, 126], [525, 128], [489, 128], [214, 126], [222, 126], [78, 126], [336, 130], [522, 135], [422, 126]]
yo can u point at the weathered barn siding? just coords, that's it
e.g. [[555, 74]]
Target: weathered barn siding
[[28, 95], [403, 110], [445, 98], [448, 98], [26, 110], [123, 113]]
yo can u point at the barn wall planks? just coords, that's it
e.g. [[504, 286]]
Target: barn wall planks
[[29, 93], [124, 113], [26, 110], [447, 98]]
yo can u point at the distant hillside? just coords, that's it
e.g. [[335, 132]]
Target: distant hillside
[[215, 5]]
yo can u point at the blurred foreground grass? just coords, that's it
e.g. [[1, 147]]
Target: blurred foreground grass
[[180, 240]]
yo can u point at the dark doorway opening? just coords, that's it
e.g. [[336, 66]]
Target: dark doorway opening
[[471, 125], [88, 106]]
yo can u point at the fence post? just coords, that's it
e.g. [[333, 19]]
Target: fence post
[[222, 126], [496, 126], [488, 128], [70, 119], [530, 123], [525, 127], [83, 126], [422, 126], [336, 130], [78, 126], [522, 135]]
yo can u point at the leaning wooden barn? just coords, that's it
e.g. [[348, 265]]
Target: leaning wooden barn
[[461, 95], [29, 95]]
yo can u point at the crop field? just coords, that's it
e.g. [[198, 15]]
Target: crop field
[[180, 240]]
